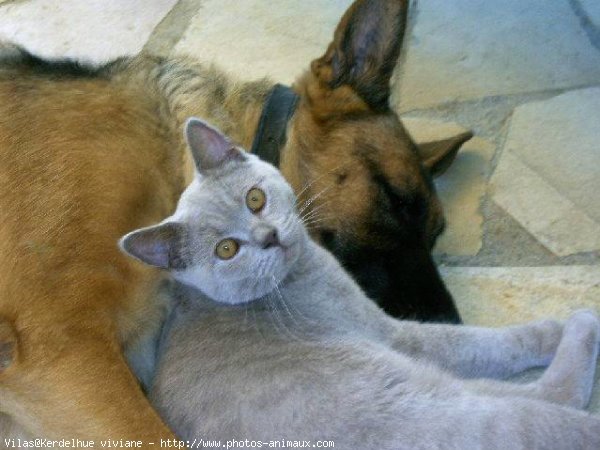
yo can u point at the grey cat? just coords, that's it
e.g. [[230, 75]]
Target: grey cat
[[272, 340]]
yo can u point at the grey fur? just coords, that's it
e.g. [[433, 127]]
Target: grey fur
[[268, 347]]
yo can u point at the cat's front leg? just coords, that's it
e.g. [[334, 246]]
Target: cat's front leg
[[470, 351], [570, 378]]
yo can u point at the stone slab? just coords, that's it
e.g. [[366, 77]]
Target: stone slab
[[423, 129], [554, 220], [467, 49], [172, 28], [93, 30], [548, 174], [499, 296], [461, 190], [559, 139], [461, 187], [254, 38]]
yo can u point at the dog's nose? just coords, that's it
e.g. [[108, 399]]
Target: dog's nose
[[266, 236]]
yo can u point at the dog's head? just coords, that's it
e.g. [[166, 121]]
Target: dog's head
[[366, 187]]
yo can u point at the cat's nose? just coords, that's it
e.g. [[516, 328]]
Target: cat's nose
[[266, 236]]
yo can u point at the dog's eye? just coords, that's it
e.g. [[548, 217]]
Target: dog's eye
[[327, 238], [255, 199], [227, 248]]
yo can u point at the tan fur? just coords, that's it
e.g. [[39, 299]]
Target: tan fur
[[349, 204], [85, 160], [321, 134], [71, 185]]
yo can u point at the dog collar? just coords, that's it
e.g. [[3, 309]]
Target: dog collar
[[271, 131]]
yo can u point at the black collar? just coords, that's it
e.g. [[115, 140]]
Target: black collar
[[270, 134]]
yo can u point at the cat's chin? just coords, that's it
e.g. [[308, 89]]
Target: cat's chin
[[259, 290], [237, 292]]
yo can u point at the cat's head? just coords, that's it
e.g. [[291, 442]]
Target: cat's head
[[235, 232]]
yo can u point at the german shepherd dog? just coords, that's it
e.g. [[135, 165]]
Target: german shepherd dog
[[89, 154]]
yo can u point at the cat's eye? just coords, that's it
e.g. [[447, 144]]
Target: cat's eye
[[227, 248], [256, 199]]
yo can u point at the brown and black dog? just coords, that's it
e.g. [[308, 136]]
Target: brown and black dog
[[89, 154]]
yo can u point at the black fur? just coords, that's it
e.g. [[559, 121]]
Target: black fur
[[396, 269], [20, 58], [404, 281]]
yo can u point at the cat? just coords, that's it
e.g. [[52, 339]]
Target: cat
[[272, 340]]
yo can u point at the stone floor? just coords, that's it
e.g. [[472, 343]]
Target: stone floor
[[522, 199]]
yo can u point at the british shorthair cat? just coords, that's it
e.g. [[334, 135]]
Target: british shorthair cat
[[273, 340]]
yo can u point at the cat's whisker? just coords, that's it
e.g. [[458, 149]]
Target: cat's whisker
[[313, 198], [262, 268], [256, 321], [292, 334], [291, 306], [275, 310], [276, 319], [289, 221], [269, 312], [282, 300], [312, 223], [316, 219], [310, 201], [326, 202], [311, 215], [314, 211], [306, 186]]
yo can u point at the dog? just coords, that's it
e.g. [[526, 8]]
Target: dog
[[87, 154]]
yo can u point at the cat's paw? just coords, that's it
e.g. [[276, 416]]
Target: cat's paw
[[8, 344], [570, 378], [585, 312], [585, 325]]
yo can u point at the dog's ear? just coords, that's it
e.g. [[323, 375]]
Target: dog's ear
[[159, 245], [210, 148], [437, 156], [364, 50]]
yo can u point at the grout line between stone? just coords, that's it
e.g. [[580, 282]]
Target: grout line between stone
[[520, 97], [170, 30]]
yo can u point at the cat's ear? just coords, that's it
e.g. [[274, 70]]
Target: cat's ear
[[210, 148], [158, 245]]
